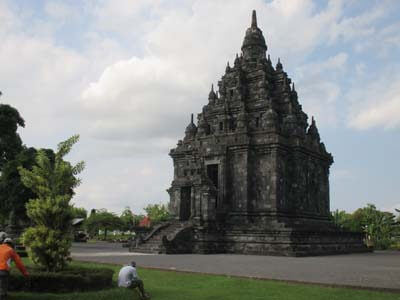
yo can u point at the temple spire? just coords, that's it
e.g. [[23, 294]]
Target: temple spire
[[191, 129], [279, 65], [253, 46], [228, 67], [313, 130], [237, 61], [212, 95], [254, 19]]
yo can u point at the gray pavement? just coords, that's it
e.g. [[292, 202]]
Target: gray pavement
[[378, 270]]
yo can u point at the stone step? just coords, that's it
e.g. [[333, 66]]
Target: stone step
[[154, 243]]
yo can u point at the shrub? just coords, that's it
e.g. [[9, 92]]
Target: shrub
[[52, 179], [68, 280], [395, 245]]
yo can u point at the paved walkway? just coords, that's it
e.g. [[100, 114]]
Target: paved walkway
[[378, 270]]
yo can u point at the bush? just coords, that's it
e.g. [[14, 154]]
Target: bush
[[69, 280], [395, 245], [53, 180]]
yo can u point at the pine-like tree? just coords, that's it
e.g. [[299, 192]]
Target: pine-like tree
[[53, 180]]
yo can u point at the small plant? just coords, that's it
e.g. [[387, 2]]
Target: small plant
[[52, 179]]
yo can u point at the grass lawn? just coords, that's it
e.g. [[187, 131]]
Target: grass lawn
[[168, 285]]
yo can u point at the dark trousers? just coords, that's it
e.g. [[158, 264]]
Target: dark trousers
[[138, 283], [4, 276]]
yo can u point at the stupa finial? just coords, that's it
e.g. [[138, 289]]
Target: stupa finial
[[254, 19], [279, 65]]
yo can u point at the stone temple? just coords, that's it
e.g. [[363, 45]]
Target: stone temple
[[252, 176]]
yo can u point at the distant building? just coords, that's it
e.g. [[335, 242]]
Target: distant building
[[145, 222], [253, 175]]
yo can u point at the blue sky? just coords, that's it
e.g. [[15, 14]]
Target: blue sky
[[126, 75]]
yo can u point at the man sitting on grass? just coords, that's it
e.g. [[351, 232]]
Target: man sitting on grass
[[129, 278]]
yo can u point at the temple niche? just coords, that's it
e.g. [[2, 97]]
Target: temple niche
[[252, 176]]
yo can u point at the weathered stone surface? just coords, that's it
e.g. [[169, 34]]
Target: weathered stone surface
[[253, 176]]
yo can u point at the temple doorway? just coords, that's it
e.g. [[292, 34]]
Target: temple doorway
[[212, 173], [185, 203]]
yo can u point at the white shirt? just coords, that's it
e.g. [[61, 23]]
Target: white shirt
[[126, 275]]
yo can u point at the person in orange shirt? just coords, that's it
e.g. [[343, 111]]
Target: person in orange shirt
[[7, 254]]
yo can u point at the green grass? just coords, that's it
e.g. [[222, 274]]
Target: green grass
[[168, 285]]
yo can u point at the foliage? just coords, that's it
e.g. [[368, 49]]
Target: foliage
[[347, 221], [79, 212], [52, 179], [128, 219], [339, 217], [379, 227], [102, 220], [157, 212], [13, 193], [72, 279], [10, 141], [137, 219]]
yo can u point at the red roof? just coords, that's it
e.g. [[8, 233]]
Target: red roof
[[145, 222]]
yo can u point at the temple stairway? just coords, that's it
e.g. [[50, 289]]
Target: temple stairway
[[153, 242]]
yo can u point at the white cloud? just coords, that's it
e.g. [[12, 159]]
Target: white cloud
[[7, 20], [128, 19], [357, 27], [376, 104], [147, 171], [119, 182], [139, 98], [39, 79], [60, 11], [319, 88]]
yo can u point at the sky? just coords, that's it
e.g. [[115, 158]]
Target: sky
[[126, 75]]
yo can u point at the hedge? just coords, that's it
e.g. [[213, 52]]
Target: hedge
[[69, 280]]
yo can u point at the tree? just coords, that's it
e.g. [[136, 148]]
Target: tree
[[13, 193], [102, 220], [79, 212], [339, 217], [379, 226], [157, 212], [52, 180], [347, 221], [10, 141], [127, 219]]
